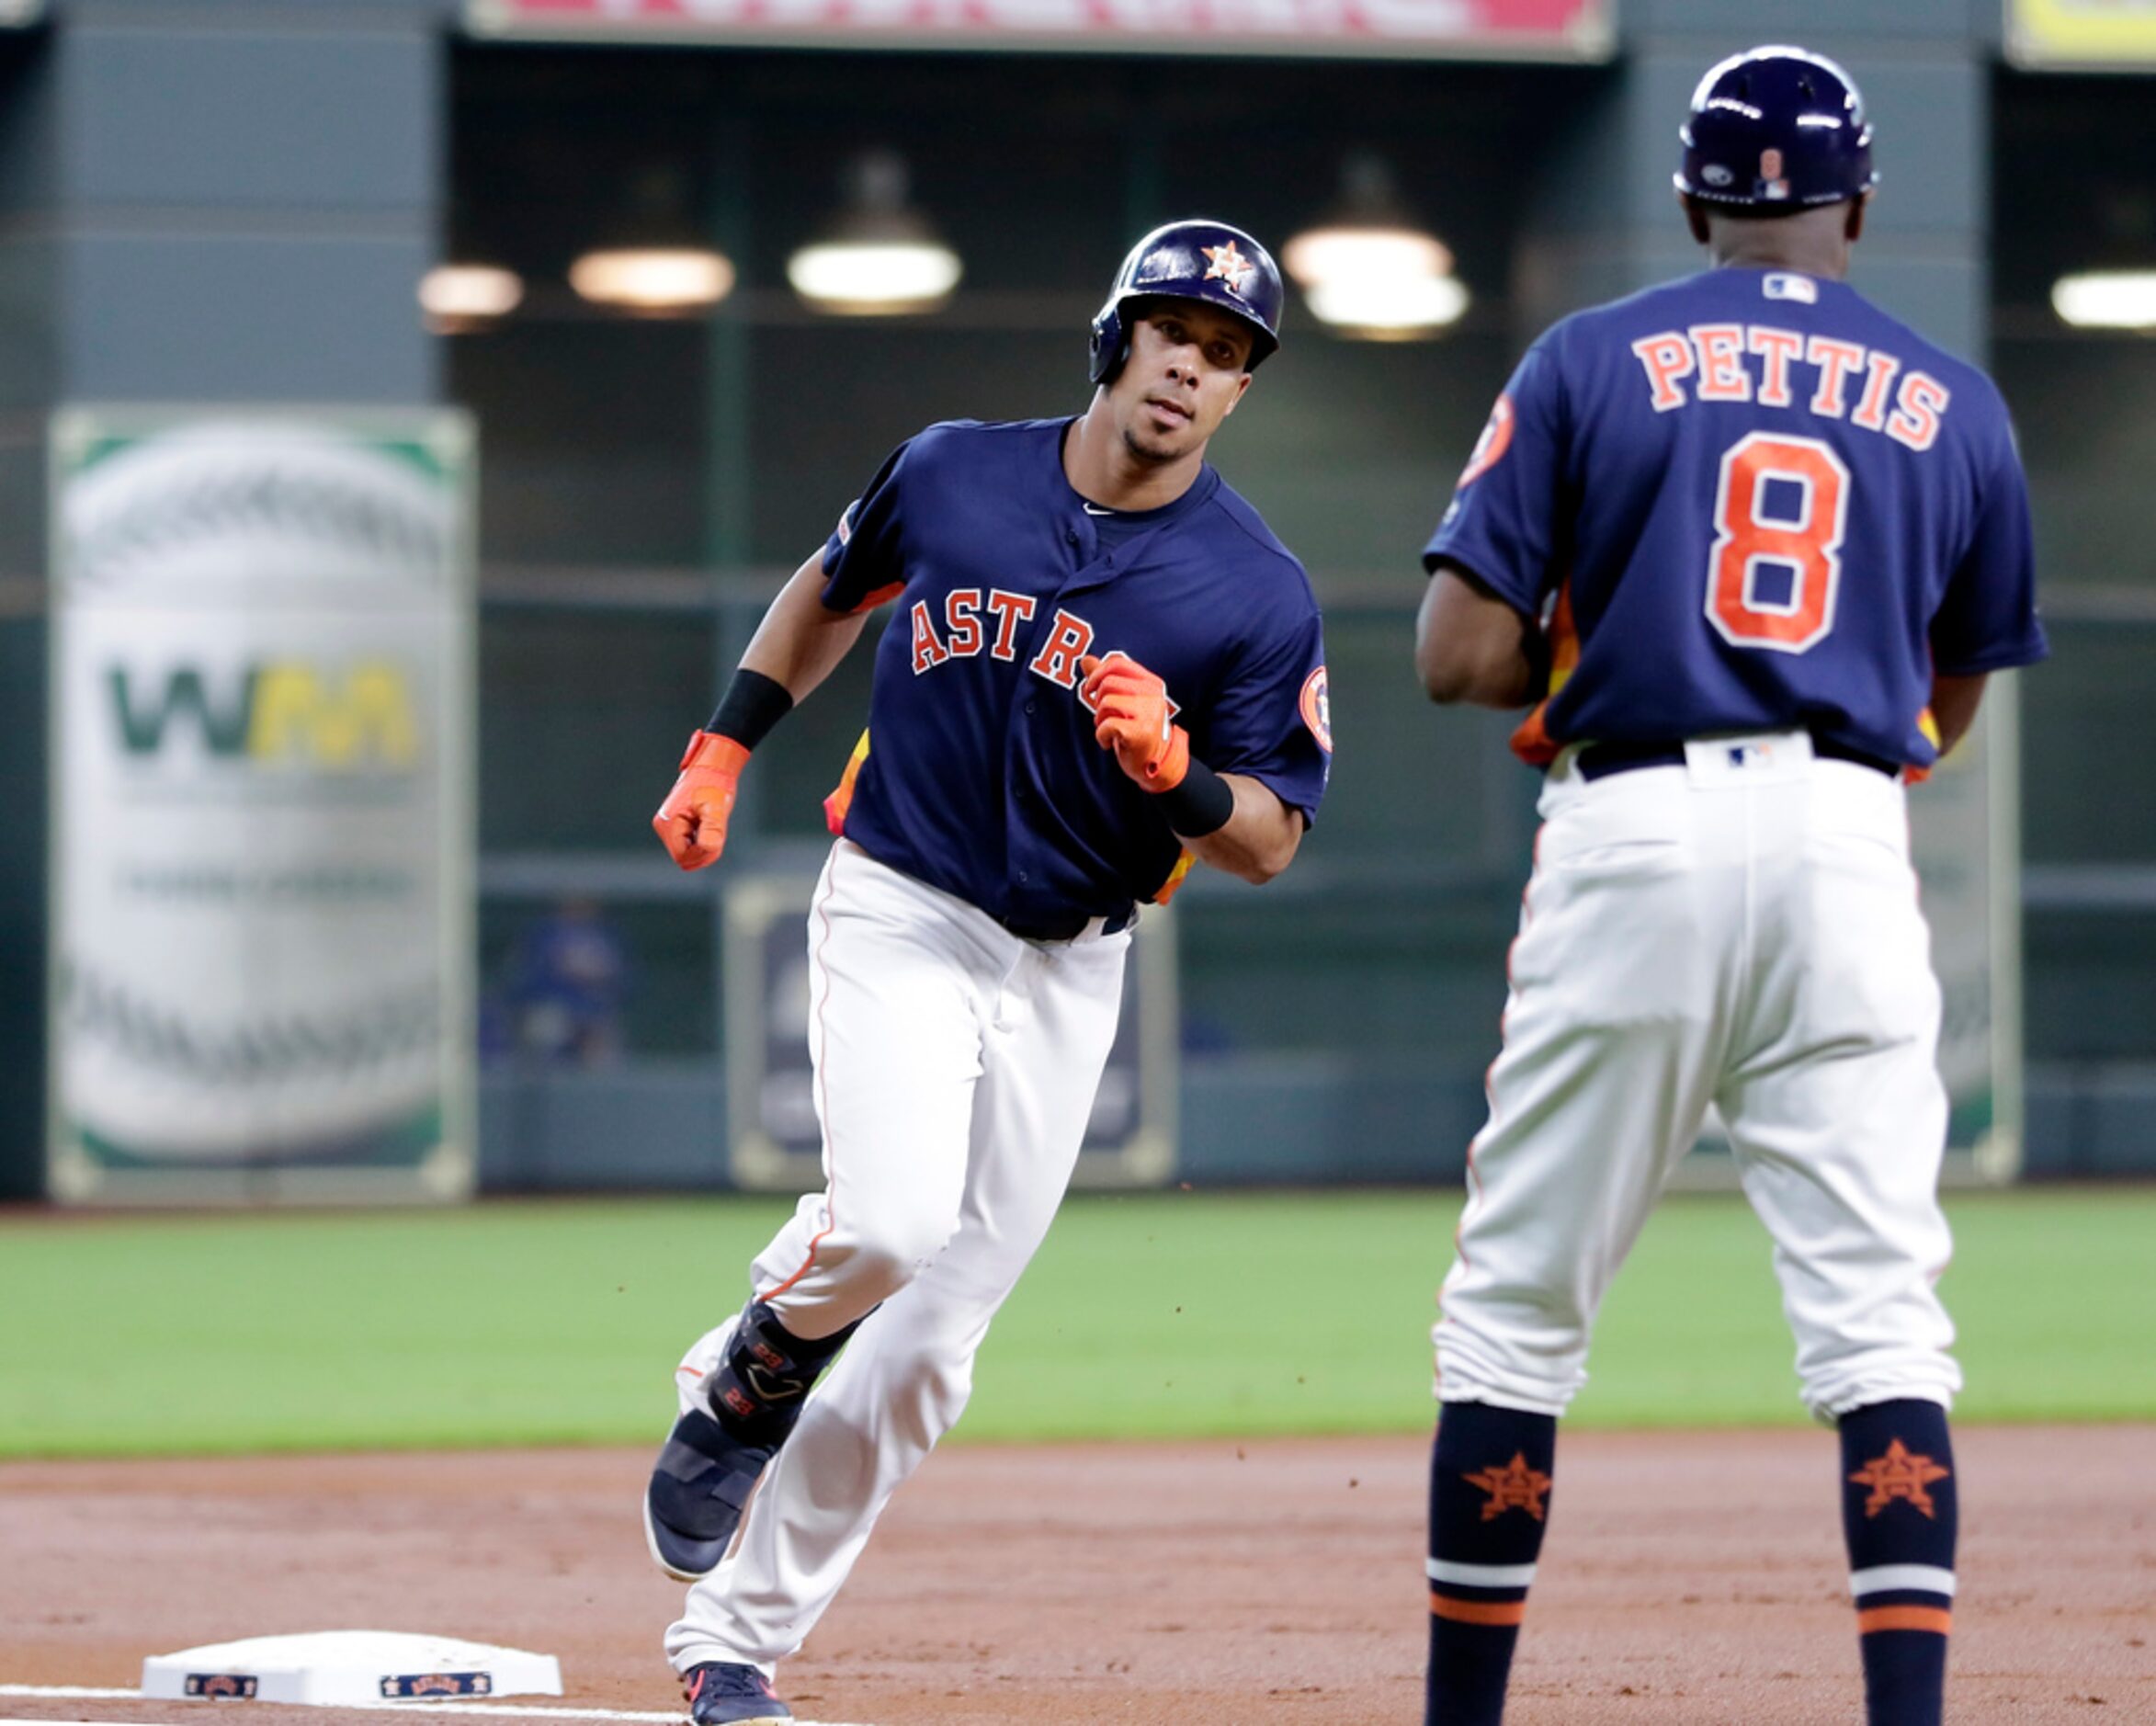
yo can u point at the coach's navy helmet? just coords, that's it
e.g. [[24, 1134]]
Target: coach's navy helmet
[[1193, 260], [1774, 130]]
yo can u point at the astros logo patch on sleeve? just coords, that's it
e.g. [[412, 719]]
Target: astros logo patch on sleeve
[[1317, 709], [1491, 445]]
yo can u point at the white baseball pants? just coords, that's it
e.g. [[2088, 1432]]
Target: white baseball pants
[[1741, 930], [955, 1067]]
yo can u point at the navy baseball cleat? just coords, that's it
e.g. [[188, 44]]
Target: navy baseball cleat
[[723, 1694], [740, 1389]]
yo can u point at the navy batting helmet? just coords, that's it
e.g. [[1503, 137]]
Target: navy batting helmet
[[1193, 260], [1775, 130]]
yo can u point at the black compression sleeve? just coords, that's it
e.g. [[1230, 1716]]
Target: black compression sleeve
[[1202, 803], [753, 705]]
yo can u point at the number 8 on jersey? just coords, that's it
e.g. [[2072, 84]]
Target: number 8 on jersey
[[1751, 542]]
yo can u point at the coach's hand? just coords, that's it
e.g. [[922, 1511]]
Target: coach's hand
[[691, 823], [1131, 716]]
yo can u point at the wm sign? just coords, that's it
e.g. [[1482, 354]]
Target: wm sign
[[347, 719], [261, 636]]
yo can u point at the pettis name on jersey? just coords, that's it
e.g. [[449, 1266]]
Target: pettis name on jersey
[[1906, 405]]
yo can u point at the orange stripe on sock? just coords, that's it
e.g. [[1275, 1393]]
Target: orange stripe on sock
[[1934, 1618], [1478, 1611]]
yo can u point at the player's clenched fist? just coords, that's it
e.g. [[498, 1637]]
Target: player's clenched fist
[[1131, 716], [691, 823]]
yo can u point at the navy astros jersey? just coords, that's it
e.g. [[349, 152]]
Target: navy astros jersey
[[981, 775], [1749, 500]]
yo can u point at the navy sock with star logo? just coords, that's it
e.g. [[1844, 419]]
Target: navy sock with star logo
[[1489, 1501], [1899, 1515]]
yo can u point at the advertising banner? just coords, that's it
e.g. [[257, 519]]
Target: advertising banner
[[1522, 30], [775, 1142], [261, 880], [2095, 35]]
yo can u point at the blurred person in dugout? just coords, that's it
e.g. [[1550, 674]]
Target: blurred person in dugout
[[564, 987]]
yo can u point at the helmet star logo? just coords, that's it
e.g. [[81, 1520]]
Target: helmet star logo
[[1513, 1487], [1897, 1474], [1228, 264]]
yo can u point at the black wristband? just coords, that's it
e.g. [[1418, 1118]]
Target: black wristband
[[1204, 802], [751, 706]]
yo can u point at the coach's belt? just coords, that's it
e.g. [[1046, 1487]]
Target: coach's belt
[[1598, 761], [1067, 928]]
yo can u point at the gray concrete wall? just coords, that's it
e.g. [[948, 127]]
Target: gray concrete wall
[[1604, 219], [220, 201]]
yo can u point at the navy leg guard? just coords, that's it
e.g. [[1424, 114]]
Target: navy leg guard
[[712, 1459]]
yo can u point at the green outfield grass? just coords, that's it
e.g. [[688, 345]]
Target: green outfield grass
[[1168, 1314]]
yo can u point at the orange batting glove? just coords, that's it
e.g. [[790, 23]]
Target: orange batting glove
[[691, 823], [1131, 716]]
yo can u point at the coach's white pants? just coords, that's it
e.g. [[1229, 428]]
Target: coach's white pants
[[1743, 931], [954, 1068]]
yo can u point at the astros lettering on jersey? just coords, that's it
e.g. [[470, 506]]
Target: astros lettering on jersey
[[1775, 461]]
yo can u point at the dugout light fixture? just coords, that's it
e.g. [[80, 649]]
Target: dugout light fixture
[[880, 257], [2107, 299], [1368, 269], [460, 297], [655, 280]]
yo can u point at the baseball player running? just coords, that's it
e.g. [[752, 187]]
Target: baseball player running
[[1102, 666], [1752, 547]]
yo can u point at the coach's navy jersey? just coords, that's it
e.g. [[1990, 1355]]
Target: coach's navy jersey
[[1749, 500], [982, 776]]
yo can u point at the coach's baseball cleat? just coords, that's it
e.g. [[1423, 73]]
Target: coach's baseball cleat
[[723, 1694], [741, 1389]]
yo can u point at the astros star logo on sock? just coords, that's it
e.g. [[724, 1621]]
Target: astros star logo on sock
[[1897, 1474], [1513, 1487]]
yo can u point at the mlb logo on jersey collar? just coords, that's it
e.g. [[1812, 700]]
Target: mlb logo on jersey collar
[[1755, 758]]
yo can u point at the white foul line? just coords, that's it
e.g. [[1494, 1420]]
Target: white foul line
[[72, 1692], [62, 1692]]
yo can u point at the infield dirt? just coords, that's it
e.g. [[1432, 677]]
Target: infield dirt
[[1688, 1578]]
